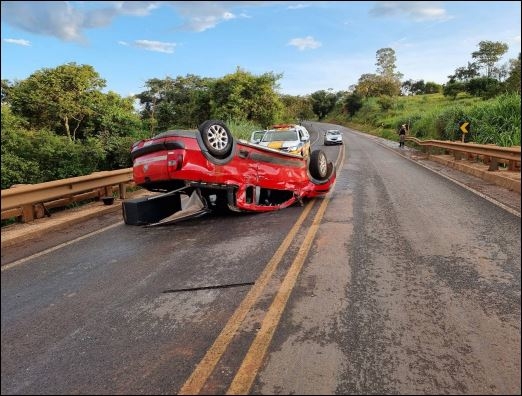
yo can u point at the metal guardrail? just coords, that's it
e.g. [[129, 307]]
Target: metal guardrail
[[491, 154], [28, 199]]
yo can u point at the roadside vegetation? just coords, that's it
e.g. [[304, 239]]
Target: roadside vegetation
[[434, 116], [59, 123]]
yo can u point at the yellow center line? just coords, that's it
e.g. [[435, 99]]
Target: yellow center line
[[252, 361], [204, 369], [249, 367]]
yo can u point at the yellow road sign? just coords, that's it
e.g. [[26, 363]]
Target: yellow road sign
[[464, 126]]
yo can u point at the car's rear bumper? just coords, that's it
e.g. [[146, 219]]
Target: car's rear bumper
[[328, 142]]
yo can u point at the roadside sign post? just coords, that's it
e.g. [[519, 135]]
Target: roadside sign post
[[464, 128]]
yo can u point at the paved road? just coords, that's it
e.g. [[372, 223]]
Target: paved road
[[400, 281], [413, 287]]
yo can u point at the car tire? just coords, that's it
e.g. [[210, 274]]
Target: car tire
[[216, 137], [318, 164]]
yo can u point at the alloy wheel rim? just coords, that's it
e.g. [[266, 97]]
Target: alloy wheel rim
[[217, 137]]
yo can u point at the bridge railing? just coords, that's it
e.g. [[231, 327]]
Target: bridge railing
[[489, 153], [29, 201]]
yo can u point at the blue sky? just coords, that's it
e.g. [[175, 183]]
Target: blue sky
[[314, 45]]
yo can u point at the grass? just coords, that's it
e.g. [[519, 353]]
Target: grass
[[494, 121], [242, 129]]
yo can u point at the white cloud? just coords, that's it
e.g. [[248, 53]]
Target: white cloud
[[205, 15], [22, 42], [156, 46], [66, 20], [202, 23], [415, 10], [298, 6], [136, 8], [307, 42]]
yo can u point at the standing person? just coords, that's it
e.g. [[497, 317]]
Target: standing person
[[402, 135]]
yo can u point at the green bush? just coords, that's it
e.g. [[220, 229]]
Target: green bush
[[16, 170], [117, 150], [37, 157], [385, 102]]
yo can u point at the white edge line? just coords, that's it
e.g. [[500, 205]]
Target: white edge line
[[46, 251]]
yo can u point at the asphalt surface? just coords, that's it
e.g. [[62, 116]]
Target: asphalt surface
[[400, 282]]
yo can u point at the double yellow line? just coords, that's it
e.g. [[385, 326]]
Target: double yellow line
[[204, 369], [249, 368]]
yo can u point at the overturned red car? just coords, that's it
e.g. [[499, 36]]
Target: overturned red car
[[217, 172]]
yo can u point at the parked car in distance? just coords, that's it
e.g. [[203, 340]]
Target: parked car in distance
[[219, 172], [333, 136]]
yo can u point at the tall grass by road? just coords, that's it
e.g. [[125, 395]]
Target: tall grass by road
[[494, 121]]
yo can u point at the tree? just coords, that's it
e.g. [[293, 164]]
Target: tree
[[182, 102], [112, 115], [452, 89], [151, 99], [406, 87], [483, 87], [367, 85], [59, 98], [373, 85], [432, 87], [243, 96], [14, 168], [468, 79], [296, 108], [488, 54], [386, 63], [512, 83], [353, 103], [6, 89], [466, 73], [386, 81], [322, 103], [418, 87]]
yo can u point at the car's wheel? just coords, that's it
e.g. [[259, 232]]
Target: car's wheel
[[216, 137], [318, 164]]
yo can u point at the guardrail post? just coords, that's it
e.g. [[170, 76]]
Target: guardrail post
[[493, 164], [123, 189], [27, 213]]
